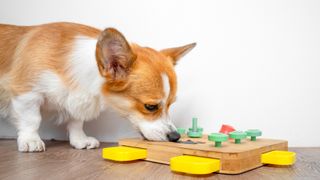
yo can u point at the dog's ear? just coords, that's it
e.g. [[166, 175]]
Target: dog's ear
[[178, 52], [114, 55]]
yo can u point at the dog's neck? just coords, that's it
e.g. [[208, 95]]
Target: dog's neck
[[83, 66]]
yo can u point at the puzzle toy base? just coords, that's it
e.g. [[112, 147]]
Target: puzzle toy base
[[234, 158]]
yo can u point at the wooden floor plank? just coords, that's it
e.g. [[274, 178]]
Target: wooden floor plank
[[60, 161]]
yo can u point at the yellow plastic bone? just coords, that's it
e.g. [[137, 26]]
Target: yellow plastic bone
[[194, 165], [122, 153], [278, 158]]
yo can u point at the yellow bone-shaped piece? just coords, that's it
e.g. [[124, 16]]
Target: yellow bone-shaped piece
[[194, 165], [122, 153], [278, 158]]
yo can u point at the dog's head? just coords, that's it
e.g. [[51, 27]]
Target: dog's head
[[140, 82]]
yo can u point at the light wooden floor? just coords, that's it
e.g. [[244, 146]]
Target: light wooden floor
[[61, 162]]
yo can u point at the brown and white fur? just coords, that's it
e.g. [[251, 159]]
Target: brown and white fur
[[78, 71]]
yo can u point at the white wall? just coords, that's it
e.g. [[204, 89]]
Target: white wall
[[256, 64]]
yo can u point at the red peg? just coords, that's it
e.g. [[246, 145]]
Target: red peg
[[226, 129]]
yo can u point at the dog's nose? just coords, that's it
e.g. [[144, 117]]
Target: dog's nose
[[173, 136]]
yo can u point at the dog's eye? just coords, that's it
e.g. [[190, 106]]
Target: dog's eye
[[151, 107]]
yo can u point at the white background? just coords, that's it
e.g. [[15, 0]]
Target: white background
[[256, 65]]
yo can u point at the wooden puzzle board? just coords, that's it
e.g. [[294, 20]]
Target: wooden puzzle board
[[234, 158]]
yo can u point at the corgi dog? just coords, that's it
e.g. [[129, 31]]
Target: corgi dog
[[75, 72]]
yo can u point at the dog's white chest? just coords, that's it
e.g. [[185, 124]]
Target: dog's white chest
[[84, 106], [76, 103]]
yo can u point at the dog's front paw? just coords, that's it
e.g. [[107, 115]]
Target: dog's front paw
[[30, 144], [84, 143]]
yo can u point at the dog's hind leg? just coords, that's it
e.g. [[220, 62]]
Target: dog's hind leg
[[4, 103], [5, 99], [27, 117]]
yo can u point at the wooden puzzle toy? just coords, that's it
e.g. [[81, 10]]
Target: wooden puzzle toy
[[197, 153]]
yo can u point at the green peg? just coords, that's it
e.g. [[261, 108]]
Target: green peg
[[218, 138], [194, 124], [237, 136], [253, 134], [195, 132], [199, 129], [181, 130]]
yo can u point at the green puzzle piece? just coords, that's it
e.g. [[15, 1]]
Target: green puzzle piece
[[218, 138], [253, 133], [195, 131], [237, 136], [181, 130]]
